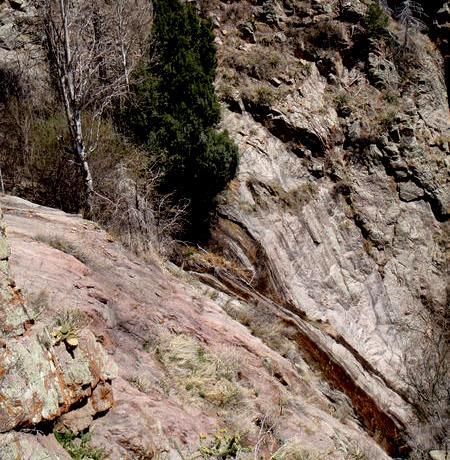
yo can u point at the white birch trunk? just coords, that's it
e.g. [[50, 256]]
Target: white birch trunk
[[73, 112]]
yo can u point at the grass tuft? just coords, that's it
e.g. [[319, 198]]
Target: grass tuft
[[141, 383], [67, 324], [61, 244], [37, 303], [203, 374], [293, 450]]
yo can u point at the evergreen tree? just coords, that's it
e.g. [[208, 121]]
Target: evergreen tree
[[175, 108], [376, 19]]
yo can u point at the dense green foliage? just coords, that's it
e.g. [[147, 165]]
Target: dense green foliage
[[175, 111], [376, 20], [81, 450]]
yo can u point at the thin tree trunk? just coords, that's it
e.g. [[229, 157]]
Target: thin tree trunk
[[73, 114], [89, 189], [102, 74], [82, 158], [1, 182], [405, 43], [125, 66], [120, 11]]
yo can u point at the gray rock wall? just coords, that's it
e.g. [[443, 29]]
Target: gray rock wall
[[340, 215]]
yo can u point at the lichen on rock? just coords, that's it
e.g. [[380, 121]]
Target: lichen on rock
[[41, 378]]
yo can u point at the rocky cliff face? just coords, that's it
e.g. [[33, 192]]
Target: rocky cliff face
[[339, 211], [305, 329], [186, 368]]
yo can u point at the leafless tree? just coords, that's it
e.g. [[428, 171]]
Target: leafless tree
[[89, 47], [410, 16], [385, 6], [145, 220], [130, 22]]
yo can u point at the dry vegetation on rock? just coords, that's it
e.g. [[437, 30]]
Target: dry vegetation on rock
[[312, 323]]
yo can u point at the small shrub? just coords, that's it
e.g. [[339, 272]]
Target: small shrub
[[326, 35], [306, 69], [302, 195], [376, 20], [224, 445], [264, 95], [387, 119], [257, 62], [226, 92], [82, 449], [236, 12], [275, 59], [67, 324], [390, 97], [261, 95], [343, 101]]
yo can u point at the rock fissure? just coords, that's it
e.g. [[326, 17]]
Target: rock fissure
[[330, 242], [388, 429]]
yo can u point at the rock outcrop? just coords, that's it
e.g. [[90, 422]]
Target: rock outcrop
[[13, 315], [153, 322], [298, 325], [42, 376], [339, 210]]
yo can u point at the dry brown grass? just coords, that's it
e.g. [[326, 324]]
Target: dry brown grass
[[206, 261], [141, 382], [350, 449], [237, 11], [37, 303], [260, 95], [270, 330], [62, 244], [376, 110], [293, 450], [201, 374], [258, 62], [241, 312]]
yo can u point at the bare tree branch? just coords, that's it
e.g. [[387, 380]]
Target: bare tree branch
[[92, 48], [410, 16]]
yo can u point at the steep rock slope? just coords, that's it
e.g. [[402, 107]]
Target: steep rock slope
[[185, 367], [339, 210], [331, 238], [41, 375]]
